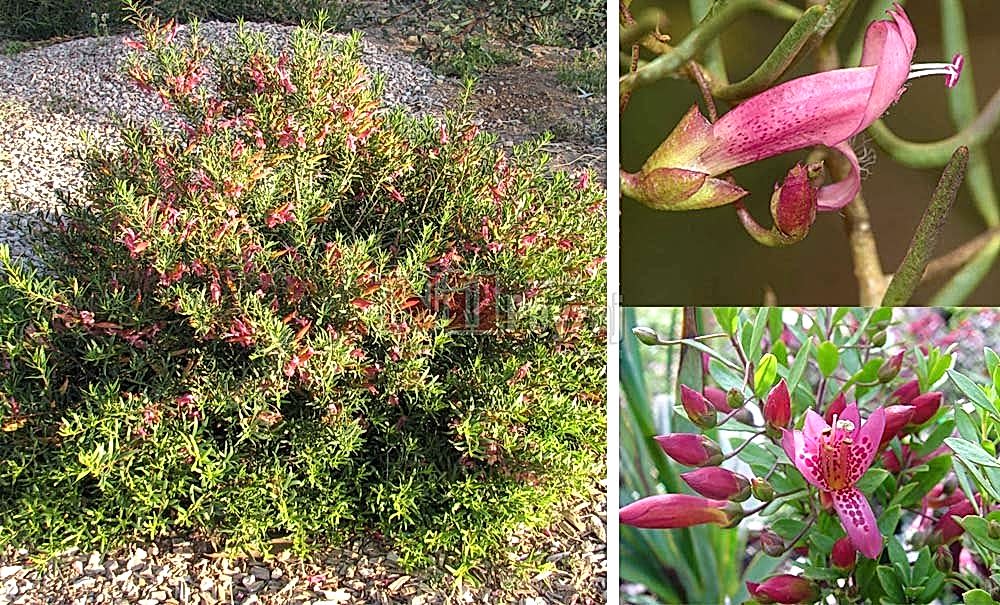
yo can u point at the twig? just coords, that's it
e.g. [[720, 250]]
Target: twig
[[706, 91]]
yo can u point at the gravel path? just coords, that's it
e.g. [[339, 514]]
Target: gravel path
[[49, 97]]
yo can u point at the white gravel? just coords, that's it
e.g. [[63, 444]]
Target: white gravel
[[50, 96]]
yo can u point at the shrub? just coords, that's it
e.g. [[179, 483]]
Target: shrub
[[296, 312]]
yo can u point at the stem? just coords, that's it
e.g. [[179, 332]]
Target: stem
[[699, 37], [743, 445], [706, 93]]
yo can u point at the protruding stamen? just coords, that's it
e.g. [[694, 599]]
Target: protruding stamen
[[951, 71]]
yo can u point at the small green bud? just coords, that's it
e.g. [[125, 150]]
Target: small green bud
[[734, 398], [878, 339], [761, 489], [646, 336], [994, 529], [943, 560]]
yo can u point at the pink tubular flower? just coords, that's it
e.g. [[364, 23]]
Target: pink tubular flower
[[671, 511], [906, 393], [718, 483], [925, 406], [844, 554], [896, 419], [836, 408], [826, 108], [834, 458], [690, 449], [784, 588]]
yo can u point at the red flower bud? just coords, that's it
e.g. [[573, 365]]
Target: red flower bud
[[719, 483], [691, 449], [793, 205], [785, 588], [925, 406], [890, 369], [905, 393], [778, 406], [896, 417], [718, 398], [698, 409], [836, 408], [943, 560], [670, 511], [771, 543], [844, 554]]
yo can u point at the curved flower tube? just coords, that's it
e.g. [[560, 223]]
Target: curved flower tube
[[834, 458], [826, 108]]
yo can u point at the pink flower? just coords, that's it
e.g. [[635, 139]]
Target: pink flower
[[785, 588], [843, 555], [906, 393], [697, 407], [671, 511], [834, 458], [826, 108]]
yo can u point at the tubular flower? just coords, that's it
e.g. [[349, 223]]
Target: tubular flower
[[896, 419], [778, 406], [690, 449], [671, 511], [719, 483], [785, 588], [906, 393], [826, 108], [834, 458], [844, 554], [925, 406]]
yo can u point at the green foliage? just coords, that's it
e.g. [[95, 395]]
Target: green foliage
[[293, 312]]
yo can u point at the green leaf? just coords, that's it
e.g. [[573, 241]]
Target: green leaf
[[727, 318], [898, 558], [978, 528], [992, 360], [799, 365], [890, 583], [888, 520], [872, 479], [765, 374], [977, 596], [974, 393], [966, 424], [787, 528], [760, 322], [971, 452], [828, 358], [935, 439]]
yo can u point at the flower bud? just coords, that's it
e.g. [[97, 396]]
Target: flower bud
[[646, 336], [793, 205], [993, 528], [771, 543], [778, 406], [925, 406], [718, 483], [890, 369], [671, 511], [735, 398], [943, 560], [784, 588], [761, 489], [698, 409], [878, 338], [691, 449], [718, 398], [836, 408], [906, 393], [844, 554], [896, 417]]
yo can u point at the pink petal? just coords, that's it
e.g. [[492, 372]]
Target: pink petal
[[804, 456], [837, 195], [858, 520], [866, 441], [825, 107], [852, 415], [814, 425]]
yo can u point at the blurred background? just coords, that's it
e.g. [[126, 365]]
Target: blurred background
[[705, 256]]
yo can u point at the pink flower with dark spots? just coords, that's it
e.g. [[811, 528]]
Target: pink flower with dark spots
[[826, 108], [833, 458]]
